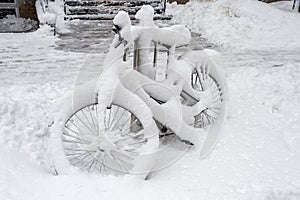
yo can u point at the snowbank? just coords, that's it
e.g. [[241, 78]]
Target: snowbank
[[28, 89], [25, 116], [13, 24], [239, 23]]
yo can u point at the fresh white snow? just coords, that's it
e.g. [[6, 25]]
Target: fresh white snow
[[240, 24], [258, 156]]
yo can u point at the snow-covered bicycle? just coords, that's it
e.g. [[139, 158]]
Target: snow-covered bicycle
[[119, 122]]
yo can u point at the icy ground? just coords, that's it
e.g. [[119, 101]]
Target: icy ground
[[258, 156]]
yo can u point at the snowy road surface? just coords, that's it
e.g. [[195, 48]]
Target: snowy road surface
[[97, 36], [258, 156]]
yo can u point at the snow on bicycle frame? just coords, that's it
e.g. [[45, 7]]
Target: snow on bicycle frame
[[115, 122], [184, 70]]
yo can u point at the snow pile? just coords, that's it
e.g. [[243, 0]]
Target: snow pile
[[13, 24], [44, 16], [239, 23], [25, 116], [28, 88]]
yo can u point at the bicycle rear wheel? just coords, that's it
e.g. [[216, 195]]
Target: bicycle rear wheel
[[207, 76]]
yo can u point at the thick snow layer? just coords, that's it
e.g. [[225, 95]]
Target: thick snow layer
[[28, 90], [145, 16], [258, 156], [239, 23]]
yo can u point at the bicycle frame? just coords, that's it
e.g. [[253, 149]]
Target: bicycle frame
[[183, 69], [181, 96]]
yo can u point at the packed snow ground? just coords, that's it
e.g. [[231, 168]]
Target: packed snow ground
[[258, 156]]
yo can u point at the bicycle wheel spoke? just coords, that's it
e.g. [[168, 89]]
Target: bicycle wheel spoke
[[140, 142], [72, 130], [97, 120], [90, 167], [218, 95], [210, 118], [81, 159], [103, 164], [109, 116], [77, 128], [199, 81], [120, 165], [90, 125], [105, 121], [73, 154], [74, 149], [118, 120], [66, 134], [215, 101], [84, 124], [127, 130], [121, 130], [92, 117], [83, 154], [71, 141], [101, 167], [113, 164], [217, 113], [128, 165], [100, 163], [87, 163], [114, 117]]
